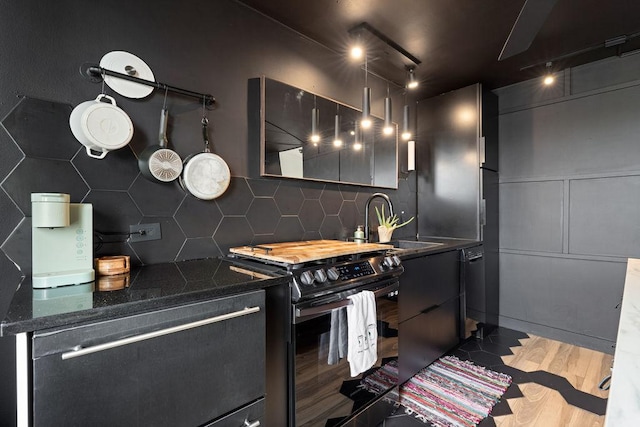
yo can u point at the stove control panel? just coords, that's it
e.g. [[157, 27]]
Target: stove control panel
[[320, 279]]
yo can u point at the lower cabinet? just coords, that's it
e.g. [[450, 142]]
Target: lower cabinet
[[200, 364], [426, 337], [429, 310]]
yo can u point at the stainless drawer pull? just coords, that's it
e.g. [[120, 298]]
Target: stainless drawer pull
[[247, 423], [155, 334]]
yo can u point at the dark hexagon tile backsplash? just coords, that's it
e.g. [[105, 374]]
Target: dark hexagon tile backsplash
[[40, 154]]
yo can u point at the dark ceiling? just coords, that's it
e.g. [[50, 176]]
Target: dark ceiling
[[458, 42]]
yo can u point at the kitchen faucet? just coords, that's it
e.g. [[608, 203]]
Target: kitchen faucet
[[366, 211]]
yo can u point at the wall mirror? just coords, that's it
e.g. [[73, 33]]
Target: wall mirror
[[343, 153]]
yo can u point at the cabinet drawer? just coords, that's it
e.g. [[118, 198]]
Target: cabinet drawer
[[243, 417], [426, 337], [428, 281], [183, 366]]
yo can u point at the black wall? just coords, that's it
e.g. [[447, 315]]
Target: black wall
[[212, 47]]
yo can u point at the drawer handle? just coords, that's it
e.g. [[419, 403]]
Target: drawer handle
[[247, 423], [137, 338]]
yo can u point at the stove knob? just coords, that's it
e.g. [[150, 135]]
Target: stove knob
[[387, 262], [333, 273], [396, 260], [320, 276], [307, 278]]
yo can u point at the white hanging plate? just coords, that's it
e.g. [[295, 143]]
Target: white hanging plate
[[127, 63]]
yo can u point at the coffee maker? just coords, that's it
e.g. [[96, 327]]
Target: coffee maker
[[62, 241]]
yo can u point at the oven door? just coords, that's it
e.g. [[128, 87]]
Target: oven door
[[324, 391]]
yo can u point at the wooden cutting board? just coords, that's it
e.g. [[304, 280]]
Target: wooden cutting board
[[306, 250]]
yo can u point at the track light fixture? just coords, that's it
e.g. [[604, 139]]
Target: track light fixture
[[412, 81], [549, 78], [357, 47]]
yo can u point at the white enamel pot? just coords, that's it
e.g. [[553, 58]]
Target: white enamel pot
[[205, 175], [101, 126]]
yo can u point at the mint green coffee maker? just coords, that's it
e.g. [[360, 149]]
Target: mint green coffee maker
[[62, 241]]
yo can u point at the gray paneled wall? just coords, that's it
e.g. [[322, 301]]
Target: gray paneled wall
[[569, 205]]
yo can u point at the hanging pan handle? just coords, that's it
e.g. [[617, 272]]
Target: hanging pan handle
[[205, 135]]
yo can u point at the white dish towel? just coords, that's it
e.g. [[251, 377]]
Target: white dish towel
[[362, 351]]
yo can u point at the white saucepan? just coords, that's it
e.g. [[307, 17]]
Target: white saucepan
[[101, 126]]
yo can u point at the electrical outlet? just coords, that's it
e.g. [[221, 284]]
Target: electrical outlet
[[145, 232]]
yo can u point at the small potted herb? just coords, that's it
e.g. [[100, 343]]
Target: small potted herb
[[386, 224]]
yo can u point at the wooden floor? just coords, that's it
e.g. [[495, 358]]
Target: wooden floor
[[545, 407]]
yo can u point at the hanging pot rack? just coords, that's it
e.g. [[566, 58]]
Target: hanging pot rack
[[95, 73]]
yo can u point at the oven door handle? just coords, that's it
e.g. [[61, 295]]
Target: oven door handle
[[326, 308]]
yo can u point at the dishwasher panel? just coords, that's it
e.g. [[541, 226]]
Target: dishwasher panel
[[183, 366]]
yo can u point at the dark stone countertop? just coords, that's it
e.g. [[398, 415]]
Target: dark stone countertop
[[151, 287], [412, 248]]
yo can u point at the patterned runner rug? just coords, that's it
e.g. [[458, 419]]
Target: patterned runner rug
[[448, 393]]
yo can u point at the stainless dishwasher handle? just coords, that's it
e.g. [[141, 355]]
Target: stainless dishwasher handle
[[137, 338], [326, 308]]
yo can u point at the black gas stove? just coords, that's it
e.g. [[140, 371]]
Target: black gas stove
[[322, 277]]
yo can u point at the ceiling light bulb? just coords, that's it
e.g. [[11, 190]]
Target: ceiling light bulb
[[406, 135], [357, 146], [365, 123], [412, 83], [549, 78], [337, 142], [388, 130], [357, 52], [315, 138]]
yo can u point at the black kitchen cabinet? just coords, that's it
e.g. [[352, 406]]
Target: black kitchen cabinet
[[198, 364], [429, 310], [458, 183]]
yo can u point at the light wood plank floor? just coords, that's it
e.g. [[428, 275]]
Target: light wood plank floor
[[545, 407]]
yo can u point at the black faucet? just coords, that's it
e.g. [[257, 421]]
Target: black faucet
[[366, 211]]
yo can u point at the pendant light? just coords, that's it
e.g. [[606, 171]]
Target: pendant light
[[315, 115], [406, 133], [388, 127], [357, 143], [366, 99], [336, 139]]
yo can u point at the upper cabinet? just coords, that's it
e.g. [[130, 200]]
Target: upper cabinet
[[457, 161], [306, 136]]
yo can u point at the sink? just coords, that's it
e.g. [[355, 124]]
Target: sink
[[413, 244]]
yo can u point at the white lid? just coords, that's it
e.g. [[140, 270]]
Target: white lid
[[107, 126], [121, 61], [50, 197]]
